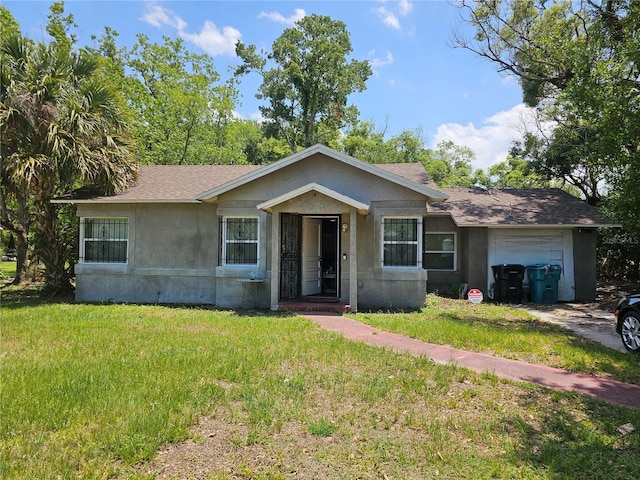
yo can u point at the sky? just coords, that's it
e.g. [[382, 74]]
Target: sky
[[419, 80]]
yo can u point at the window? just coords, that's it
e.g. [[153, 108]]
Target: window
[[104, 240], [401, 242], [439, 251], [239, 241]]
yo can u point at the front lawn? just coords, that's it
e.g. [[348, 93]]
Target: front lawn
[[111, 391]]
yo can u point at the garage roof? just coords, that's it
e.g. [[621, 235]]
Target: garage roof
[[473, 207]]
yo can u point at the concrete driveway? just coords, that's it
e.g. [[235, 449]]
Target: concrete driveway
[[597, 325]]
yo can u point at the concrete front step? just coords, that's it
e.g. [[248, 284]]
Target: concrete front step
[[306, 306]]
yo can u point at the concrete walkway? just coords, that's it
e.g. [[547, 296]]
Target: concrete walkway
[[608, 390]]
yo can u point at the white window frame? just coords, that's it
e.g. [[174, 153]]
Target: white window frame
[[417, 243], [454, 252], [226, 242], [83, 241]]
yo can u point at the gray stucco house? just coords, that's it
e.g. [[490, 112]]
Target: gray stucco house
[[320, 225]]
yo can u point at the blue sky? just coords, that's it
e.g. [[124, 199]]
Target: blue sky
[[419, 80]]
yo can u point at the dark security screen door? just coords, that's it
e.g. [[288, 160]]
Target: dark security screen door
[[290, 255]]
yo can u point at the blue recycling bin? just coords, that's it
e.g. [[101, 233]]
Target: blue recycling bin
[[543, 282]]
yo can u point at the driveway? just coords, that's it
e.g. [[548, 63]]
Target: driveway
[[583, 320]]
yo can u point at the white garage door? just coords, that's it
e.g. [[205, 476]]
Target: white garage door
[[531, 246]]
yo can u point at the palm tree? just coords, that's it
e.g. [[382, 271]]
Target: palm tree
[[62, 127]]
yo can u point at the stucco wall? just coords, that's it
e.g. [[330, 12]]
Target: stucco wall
[[172, 254], [174, 248], [381, 287], [328, 172]]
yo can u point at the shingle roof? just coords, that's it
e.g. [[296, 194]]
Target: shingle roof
[[518, 206], [414, 172], [185, 183], [176, 183], [467, 206]]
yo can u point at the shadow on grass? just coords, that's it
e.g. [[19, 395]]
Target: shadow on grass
[[33, 295], [21, 296], [571, 436]]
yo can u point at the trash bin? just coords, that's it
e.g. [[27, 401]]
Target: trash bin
[[543, 282], [508, 282]]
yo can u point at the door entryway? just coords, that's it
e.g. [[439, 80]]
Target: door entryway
[[309, 266]]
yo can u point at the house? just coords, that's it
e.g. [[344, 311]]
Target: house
[[319, 224]]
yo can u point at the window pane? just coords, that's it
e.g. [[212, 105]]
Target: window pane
[[439, 242], [242, 229], [439, 261], [106, 228], [106, 240], [105, 252], [242, 253], [400, 229], [400, 255]]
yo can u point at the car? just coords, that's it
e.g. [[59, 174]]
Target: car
[[627, 314]]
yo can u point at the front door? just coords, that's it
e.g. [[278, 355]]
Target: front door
[[309, 263], [290, 251], [311, 256]]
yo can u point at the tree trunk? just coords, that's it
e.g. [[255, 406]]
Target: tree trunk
[[19, 227], [48, 246]]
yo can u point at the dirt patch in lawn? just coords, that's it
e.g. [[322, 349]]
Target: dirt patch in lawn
[[219, 448]]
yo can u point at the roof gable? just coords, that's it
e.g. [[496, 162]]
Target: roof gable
[[387, 174], [362, 208]]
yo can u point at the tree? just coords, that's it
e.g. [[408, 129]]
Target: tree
[[62, 128], [181, 114], [14, 198], [515, 173], [450, 165], [579, 64], [307, 80]]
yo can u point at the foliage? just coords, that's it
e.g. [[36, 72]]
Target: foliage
[[515, 173], [181, 113], [62, 127], [306, 80], [450, 165], [578, 63]]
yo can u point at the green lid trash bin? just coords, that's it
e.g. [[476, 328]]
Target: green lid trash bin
[[543, 282]]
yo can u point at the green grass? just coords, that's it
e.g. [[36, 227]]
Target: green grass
[[510, 333], [7, 270], [95, 391]]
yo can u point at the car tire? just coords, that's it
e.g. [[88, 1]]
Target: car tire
[[630, 331]]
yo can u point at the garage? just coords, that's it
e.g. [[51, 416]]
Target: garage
[[532, 245]]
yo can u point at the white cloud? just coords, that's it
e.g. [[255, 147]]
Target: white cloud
[[492, 140], [389, 17], [405, 7], [213, 40], [158, 17], [380, 62], [277, 17]]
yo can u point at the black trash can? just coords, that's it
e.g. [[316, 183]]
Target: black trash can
[[508, 282]]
